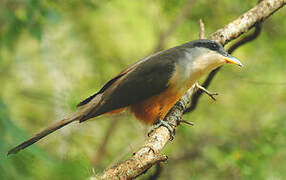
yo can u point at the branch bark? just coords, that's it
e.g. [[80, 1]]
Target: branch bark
[[247, 20], [202, 27], [148, 154]]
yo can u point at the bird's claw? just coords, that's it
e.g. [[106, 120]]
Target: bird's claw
[[210, 94], [166, 124], [180, 120]]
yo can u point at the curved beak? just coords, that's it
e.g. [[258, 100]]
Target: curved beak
[[232, 60]]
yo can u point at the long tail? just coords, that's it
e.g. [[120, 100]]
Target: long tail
[[78, 115], [44, 133]]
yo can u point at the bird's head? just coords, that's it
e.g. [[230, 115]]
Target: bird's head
[[208, 55]]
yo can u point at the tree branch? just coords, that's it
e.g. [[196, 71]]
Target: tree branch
[[148, 154], [202, 27], [247, 20]]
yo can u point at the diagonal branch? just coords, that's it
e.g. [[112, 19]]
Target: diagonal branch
[[148, 154]]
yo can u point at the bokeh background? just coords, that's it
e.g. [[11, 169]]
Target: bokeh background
[[54, 54]]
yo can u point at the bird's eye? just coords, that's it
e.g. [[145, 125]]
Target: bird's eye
[[214, 46]]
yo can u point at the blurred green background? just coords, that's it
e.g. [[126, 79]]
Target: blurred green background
[[54, 54]]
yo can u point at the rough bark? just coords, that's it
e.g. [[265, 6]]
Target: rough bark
[[149, 153], [247, 20]]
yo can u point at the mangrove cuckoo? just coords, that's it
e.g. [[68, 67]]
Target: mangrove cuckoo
[[150, 87]]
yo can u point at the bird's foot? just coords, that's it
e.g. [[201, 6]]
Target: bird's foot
[[166, 124], [210, 94], [180, 120]]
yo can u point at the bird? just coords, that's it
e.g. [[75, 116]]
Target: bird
[[150, 87]]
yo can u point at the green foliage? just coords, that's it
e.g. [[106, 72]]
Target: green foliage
[[53, 54]]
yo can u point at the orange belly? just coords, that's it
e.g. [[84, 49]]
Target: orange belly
[[149, 110]]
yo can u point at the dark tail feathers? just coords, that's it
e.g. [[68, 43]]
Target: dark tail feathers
[[43, 133]]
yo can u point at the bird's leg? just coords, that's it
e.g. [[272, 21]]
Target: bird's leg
[[211, 94], [180, 120], [161, 122]]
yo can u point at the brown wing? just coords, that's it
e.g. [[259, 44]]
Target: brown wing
[[139, 82], [110, 82], [107, 85]]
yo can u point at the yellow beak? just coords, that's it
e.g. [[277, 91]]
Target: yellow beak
[[232, 60]]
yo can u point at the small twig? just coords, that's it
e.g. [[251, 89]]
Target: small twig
[[186, 122], [202, 27]]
